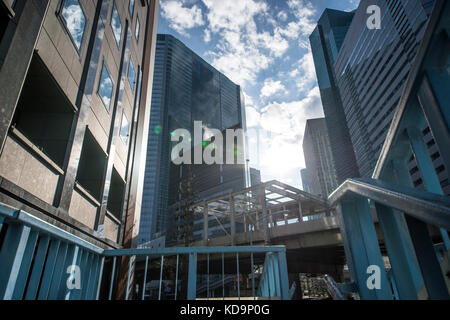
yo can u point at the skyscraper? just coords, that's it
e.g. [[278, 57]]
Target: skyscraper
[[322, 178], [305, 180], [186, 89], [326, 42], [74, 81], [371, 69]]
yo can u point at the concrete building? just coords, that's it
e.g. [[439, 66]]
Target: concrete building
[[75, 82], [186, 89], [322, 179], [326, 42], [371, 70]]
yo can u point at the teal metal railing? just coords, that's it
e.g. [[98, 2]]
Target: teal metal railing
[[39, 261]]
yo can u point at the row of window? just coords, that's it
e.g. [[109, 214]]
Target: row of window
[[75, 21]]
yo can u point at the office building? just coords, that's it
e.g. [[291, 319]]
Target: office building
[[326, 42], [322, 179], [74, 80], [305, 182], [186, 89], [371, 69]]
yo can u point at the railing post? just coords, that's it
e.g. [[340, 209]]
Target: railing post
[[423, 245], [284, 277], [11, 257], [427, 170], [405, 268], [362, 248], [192, 276]]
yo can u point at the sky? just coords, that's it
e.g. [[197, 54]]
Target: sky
[[263, 46]]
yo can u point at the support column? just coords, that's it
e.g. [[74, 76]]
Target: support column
[[300, 211], [427, 170], [362, 248], [265, 216], [401, 253], [233, 221], [205, 223]]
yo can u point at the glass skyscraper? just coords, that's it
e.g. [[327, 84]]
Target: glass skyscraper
[[371, 70], [326, 42], [186, 89]]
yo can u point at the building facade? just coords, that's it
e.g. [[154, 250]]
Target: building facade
[[322, 178], [371, 70], [305, 182], [326, 42], [186, 89], [75, 81]]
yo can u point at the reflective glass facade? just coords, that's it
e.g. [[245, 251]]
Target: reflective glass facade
[[371, 69], [185, 89], [326, 42]]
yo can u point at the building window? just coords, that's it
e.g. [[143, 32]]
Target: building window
[[105, 87], [125, 129], [116, 24], [131, 74], [138, 29], [44, 115], [116, 195], [131, 8], [92, 166], [74, 19]]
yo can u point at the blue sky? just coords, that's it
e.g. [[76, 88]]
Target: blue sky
[[263, 46]]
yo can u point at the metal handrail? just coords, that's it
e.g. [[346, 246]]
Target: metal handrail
[[425, 206]]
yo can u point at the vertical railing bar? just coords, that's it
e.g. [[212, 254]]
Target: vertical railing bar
[[207, 277], [176, 278], [238, 276], [145, 278], [253, 275], [100, 277], [128, 278], [112, 278], [160, 277], [223, 276]]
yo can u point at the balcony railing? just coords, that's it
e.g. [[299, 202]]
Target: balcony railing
[[39, 261]]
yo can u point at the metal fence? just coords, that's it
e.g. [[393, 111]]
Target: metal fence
[[39, 261]]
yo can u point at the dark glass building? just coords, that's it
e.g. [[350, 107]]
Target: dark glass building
[[186, 89], [371, 70], [326, 42]]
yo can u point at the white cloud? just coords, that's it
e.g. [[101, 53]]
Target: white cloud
[[207, 36], [272, 87], [243, 50], [282, 127], [181, 18]]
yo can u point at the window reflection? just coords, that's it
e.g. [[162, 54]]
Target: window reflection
[[116, 24], [124, 129], [131, 8], [138, 29], [105, 88], [75, 20], [131, 74]]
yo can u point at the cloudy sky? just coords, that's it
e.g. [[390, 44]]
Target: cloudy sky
[[263, 46]]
